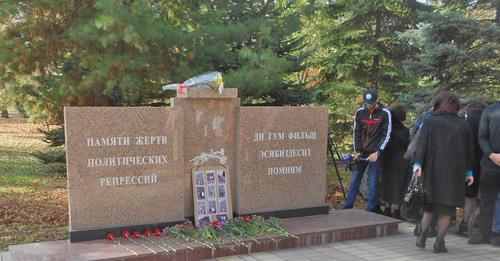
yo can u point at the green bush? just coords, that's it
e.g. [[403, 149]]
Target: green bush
[[56, 168], [56, 155], [55, 137]]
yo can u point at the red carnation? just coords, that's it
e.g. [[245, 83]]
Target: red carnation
[[247, 218], [148, 232], [110, 236], [126, 234], [216, 224]]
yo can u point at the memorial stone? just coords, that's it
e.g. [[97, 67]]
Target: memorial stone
[[281, 161], [123, 168], [132, 167]]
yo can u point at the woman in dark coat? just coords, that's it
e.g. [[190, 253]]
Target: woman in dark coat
[[443, 157], [395, 168]]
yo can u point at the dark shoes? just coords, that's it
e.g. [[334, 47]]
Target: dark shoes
[[417, 229], [378, 210], [432, 232], [421, 239], [495, 241], [462, 229], [439, 247], [479, 239], [387, 212], [396, 214]]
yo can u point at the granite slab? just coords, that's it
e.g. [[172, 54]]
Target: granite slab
[[123, 166], [281, 159]]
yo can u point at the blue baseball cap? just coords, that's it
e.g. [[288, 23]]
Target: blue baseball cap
[[370, 96]]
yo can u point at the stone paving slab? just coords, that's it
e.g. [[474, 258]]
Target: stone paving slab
[[397, 247]]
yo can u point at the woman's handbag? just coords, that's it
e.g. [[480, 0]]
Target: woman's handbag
[[411, 209]]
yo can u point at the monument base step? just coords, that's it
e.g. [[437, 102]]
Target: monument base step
[[289, 213], [86, 235], [336, 226]]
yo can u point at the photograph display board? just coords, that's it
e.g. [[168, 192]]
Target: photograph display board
[[212, 197]]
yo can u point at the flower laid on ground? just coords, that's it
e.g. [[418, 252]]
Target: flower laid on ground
[[216, 224], [237, 230], [187, 232], [246, 218]]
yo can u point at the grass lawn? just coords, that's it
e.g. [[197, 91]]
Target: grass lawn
[[334, 194], [33, 198]]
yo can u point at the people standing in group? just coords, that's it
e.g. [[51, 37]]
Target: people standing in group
[[372, 131], [489, 141], [396, 169], [443, 157], [420, 120], [472, 117]]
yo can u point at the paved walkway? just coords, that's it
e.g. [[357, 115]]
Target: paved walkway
[[398, 247]]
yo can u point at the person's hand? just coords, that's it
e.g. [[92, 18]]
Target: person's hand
[[495, 157], [417, 170], [373, 157], [357, 155], [470, 180]]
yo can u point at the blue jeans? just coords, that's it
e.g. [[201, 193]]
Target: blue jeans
[[496, 223], [357, 175]]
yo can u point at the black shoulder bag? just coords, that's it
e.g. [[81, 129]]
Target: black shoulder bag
[[411, 209]]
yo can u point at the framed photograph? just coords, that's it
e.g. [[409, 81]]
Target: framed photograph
[[212, 194], [221, 176], [222, 190], [223, 206], [210, 177], [212, 207], [202, 208], [211, 191], [200, 180], [222, 218], [204, 221], [200, 192]]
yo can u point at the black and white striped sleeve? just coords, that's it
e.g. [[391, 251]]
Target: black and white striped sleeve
[[386, 130]]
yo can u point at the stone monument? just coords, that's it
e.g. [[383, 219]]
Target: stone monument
[[131, 167]]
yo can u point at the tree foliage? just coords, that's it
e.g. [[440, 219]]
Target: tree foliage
[[59, 53], [459, 52], [100, 53], [361, 48]]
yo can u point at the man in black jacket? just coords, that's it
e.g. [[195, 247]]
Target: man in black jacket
[[372, 130], [489, 141]]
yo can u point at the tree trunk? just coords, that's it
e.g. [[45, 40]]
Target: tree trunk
[[376, 58], [498, 14]]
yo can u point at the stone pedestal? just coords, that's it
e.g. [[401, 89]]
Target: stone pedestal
[[209, 121]]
